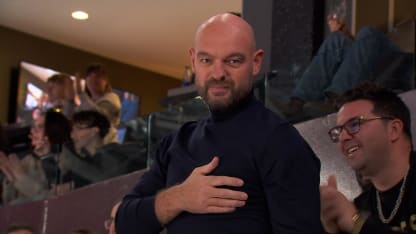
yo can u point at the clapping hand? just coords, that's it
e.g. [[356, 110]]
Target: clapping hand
[[11, 166], [336, 210]]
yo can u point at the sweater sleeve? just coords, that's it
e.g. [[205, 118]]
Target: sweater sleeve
[[290, 174], [136, 213]]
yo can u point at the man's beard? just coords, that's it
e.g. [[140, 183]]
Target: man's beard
[[222, 104]]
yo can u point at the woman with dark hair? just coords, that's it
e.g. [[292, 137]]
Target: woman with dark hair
[[32, 177]]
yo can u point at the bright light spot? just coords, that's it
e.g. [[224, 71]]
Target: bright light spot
[[80, 15]]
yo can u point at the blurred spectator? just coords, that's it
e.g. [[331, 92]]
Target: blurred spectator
[[61, 94], [20, 229], [90, 159], [341, 63], [129, 107], [32, 177], [98, 95]]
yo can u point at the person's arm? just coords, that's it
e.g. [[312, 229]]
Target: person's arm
[[290, 174], [68, 103], [27, 177], [136, 213], [148, 208], [108, 162], [339, 215]]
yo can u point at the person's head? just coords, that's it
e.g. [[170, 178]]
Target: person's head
[[337, 16], [97, 81], [373, 125], [20, 229], [51, 128], [109, 223], [335, 23], [56, 85], [89, 123], [225, 60]]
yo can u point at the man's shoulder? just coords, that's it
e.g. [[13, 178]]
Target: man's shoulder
[[267, 118]]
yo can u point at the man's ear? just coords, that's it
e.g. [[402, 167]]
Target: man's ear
[[395, 129], [257, 61]]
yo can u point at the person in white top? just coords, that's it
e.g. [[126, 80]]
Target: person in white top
[[98, 96]]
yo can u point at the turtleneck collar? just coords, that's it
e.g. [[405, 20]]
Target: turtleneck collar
[[231, 111]]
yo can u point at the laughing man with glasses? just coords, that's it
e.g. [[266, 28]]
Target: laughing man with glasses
[[373, 133]]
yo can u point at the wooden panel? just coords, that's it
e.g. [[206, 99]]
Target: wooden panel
[[371, 12], [86, 207]]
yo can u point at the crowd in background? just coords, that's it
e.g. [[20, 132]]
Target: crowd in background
[[73, 141]]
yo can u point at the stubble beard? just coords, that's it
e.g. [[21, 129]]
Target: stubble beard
[[222, 104]]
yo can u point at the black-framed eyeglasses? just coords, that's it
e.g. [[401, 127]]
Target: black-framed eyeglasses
[[352, 126]]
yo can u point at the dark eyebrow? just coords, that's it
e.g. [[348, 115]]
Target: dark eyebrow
[[348, 120]]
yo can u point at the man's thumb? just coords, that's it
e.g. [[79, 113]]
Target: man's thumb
[[208, 168], [332, 181]]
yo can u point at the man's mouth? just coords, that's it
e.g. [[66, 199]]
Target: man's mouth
[[218, 89], [350, 151]]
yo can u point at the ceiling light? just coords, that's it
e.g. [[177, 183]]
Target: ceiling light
[[80, 15]]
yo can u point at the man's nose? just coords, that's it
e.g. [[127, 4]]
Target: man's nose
[[218, 70]]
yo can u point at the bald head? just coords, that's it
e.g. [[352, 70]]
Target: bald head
[[227, 23], [225, 61]]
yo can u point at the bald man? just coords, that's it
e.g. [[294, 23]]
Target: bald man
[[241, 170]]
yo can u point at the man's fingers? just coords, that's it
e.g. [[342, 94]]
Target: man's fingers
[[221, 202], [208, 168], [225, 181], [228, 194], [332, 181], [218, 210]]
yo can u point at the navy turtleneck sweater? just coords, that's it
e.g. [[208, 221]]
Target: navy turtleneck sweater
[[279, 169]]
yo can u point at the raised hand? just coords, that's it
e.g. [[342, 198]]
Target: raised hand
[[78, 83], [4, 166], [11, 166], [69, 91], [336, 210]]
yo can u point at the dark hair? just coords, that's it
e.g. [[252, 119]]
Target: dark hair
[[19, 227], [386, 103], [57, 127], [99, 70], [96, 68], [92, 118]]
